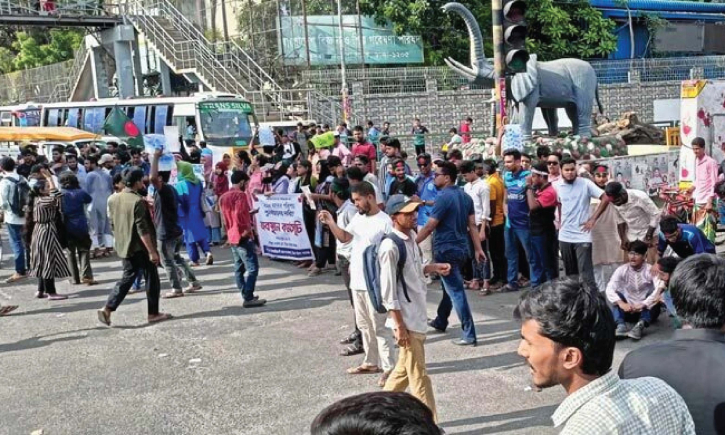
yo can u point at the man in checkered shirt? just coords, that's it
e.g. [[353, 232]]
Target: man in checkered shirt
[[567, 338]]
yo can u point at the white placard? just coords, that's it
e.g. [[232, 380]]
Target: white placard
[[151, 143], [171, 133], [281, 227]]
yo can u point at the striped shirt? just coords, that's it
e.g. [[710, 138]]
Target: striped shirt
[[608, 405]]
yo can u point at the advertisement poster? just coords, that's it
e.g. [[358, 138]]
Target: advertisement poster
[[281, 228]]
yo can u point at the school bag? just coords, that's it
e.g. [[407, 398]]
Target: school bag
[[371, 270], [18, 195]]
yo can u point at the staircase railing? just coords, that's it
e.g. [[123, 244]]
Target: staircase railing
[[189, 54], [63, 89]]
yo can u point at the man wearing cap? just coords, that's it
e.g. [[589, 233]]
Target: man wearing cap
[[407, 309], [99, 184], [427, 193], [234, 206], [340, 150], [454, 223], [135, 243], [606, 245], [638, 216], [631, 291]]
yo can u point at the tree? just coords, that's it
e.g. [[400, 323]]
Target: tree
[[573, 29], [37, 48]]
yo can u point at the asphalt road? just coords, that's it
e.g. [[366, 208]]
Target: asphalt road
[[218, 368]]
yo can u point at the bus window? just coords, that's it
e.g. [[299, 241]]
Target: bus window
[[139, 117], [52, 117], [29, 118], [93, 119], [162, 118], [226, 123], [73, 117]]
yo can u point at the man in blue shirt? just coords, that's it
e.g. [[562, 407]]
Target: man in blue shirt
[[454, 223], [684, 239], [427, 192], [517, 219]]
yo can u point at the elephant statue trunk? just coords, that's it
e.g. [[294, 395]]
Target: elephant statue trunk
[[570, 84]]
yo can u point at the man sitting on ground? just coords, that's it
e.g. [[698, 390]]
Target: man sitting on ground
[[693, 362], [574, 348], [631, 290], [684, 239]]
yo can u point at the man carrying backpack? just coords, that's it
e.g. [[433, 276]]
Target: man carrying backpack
[[365, 229], [14, 191], [403, 292]]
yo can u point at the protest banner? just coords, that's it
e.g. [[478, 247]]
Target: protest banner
[[281, 228]]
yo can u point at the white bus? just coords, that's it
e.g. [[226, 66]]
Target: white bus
[[222, 120], [20, 115]]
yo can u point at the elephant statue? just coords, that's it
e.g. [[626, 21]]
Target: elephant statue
[[563, 83]]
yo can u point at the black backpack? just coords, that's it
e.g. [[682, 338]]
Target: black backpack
[[18, 195]]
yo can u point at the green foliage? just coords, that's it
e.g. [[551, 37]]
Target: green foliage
[[37, 48], [573, 29]]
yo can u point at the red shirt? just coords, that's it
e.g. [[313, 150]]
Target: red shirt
[[465, 132], [367, 149], [234, 206]]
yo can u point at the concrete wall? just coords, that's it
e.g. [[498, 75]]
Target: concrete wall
[[441, 110]]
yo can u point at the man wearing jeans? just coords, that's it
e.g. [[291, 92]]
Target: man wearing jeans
[[168, 232], [13, 220], [575, 239], [542, 201], [517, 219], [454, 223], [135, 243], [238, 222]]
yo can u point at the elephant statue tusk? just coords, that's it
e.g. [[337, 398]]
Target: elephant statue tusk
[[481, 70]]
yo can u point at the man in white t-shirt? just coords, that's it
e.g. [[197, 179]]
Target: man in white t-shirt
[[369, 224], [575, 239]]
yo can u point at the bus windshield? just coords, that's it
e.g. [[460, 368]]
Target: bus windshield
[[226, 123]]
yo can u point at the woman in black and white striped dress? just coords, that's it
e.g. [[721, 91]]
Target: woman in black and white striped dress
[[47, 259]]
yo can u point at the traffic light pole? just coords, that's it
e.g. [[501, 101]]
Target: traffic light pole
[[499, 64]]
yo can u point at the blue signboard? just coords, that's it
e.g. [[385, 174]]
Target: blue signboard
[[380, 44]]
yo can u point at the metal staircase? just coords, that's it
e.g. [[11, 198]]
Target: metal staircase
[[63, 90], [223, 67]]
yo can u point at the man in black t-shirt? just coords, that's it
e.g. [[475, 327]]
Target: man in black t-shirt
[[168, 231], [402, 184]]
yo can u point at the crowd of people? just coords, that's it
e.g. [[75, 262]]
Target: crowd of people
[[386, 228]]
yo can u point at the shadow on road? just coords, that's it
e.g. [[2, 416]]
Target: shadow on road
[[46, 340], [526, 418], [504, 360]]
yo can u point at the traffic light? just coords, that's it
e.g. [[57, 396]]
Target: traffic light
[[514, 36]]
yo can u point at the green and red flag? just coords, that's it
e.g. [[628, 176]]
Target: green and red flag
[[119, 125]]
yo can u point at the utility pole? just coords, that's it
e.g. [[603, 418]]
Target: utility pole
[[224, 19], [307, 37], [498, 61], [345, 102]]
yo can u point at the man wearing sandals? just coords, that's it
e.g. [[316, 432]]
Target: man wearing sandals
[[407, 319], [135, 243], [365, 227]]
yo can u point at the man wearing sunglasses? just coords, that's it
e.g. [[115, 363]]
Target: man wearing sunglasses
[[684, 239], [553, 162]]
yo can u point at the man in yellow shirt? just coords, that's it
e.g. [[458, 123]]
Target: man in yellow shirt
[[496, 237]]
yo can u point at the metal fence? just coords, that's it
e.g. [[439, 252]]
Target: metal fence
[[35, 84], [421, 79]]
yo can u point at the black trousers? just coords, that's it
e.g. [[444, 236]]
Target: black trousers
[[497, 247], [79, 251], [139, 261], [46, 286]]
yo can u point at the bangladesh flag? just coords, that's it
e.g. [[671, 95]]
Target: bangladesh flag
[[119, 125]]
